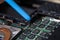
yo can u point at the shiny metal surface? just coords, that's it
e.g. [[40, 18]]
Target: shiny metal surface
[[54, 1]]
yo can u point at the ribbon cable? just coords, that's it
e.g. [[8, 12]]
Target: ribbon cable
[[16, 7]]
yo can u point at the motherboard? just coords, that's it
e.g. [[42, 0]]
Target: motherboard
[[40, 29]]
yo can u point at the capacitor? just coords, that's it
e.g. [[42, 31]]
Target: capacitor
[[6, 32]]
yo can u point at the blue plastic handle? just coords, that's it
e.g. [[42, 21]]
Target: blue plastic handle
[[18, 9]]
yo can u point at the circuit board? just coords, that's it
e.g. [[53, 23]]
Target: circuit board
[[43, 18], [40, 31], [42, 28]]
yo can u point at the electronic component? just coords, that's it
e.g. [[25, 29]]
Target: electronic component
[[40, 28], [6, 23], [45, 19], [14, 30], [41, 31], [49, 9], [5, 34]]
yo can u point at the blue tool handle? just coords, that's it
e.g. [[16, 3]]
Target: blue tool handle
[[18, 9]]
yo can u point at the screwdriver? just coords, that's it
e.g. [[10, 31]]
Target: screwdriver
[[18, 8]]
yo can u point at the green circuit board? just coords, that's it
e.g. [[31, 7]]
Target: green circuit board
[[39, 30]]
